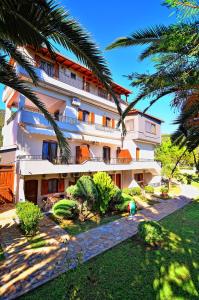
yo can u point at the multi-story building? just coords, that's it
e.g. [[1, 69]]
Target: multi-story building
[[87, 116]]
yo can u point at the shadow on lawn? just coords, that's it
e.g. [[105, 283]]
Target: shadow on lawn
[[133, 271]]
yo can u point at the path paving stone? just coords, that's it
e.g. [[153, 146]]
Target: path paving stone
[[25, 269]]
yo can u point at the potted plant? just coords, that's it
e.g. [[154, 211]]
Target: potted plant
[[164, 191]]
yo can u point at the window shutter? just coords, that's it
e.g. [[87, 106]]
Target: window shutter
[[80, 115], [61, 185], [44, 187], [104, 120], [56, 70], [113, 123], [92, 118]]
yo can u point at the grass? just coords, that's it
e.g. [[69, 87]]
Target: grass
[[76, 227], [37, 241], [132, 271], [2, 256]]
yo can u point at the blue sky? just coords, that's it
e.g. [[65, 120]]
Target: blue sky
[[107, 20]]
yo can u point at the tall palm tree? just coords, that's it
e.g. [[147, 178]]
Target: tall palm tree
[[175, 50], [38, 23]]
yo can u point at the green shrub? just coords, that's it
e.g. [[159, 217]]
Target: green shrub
[[164, 190], [125, 199], [73, 191], [107, 190], [88, 191], [151, 232], [127, 191], [136, 191], [149, 189], [29, 215], [65, 208]]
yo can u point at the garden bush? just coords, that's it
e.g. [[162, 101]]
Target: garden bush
[[73, 191], [107, 190], [149, 189], [65, 208], [29, 215], [151, 232], [123, 205], [88, 191], [135, 191]]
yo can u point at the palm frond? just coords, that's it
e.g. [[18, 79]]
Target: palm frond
[[9, 77]]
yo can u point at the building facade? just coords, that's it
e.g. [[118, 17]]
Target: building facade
[[87, 116]]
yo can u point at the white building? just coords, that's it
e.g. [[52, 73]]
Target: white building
[[87, 115]]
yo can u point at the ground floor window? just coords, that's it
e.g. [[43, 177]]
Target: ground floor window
[[52, 186]]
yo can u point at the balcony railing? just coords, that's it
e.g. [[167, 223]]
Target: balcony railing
[[74, 121], [60, 160]]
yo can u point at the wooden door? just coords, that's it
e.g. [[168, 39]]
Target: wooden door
[[118, 180], [137, 153], [7, 183], [31, 190], [106, 154]]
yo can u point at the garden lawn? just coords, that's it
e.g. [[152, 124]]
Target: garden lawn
[[133, 271]]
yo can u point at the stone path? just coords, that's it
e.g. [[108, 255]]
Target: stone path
[[25, 268]]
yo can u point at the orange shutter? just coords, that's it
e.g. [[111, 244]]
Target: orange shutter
[[80, 115], [85, 153], [113, 123], [44, 187], [61, 185], [37, 61], [56, 70], [92, 118], [104, 120]]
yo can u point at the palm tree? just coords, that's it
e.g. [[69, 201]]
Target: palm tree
[[38, 23], [176, 51]]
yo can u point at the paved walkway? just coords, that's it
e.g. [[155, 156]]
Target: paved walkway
[[25, 269]]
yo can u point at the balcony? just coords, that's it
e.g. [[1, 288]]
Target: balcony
[[34, 164], [71, 87], [69, 124]]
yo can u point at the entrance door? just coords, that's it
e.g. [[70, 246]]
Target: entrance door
[[6, 183], [106, 154], [31, 189], [118, 180]]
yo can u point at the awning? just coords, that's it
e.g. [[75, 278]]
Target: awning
[[98, 139], [50, 132], [125, 156]]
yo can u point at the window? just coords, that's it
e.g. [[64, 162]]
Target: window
[[49, 150], [108, 122], [73, 75], [52, 185], [83, 115], [130, 125], [150, 127], [102, 93], [47, 67]]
